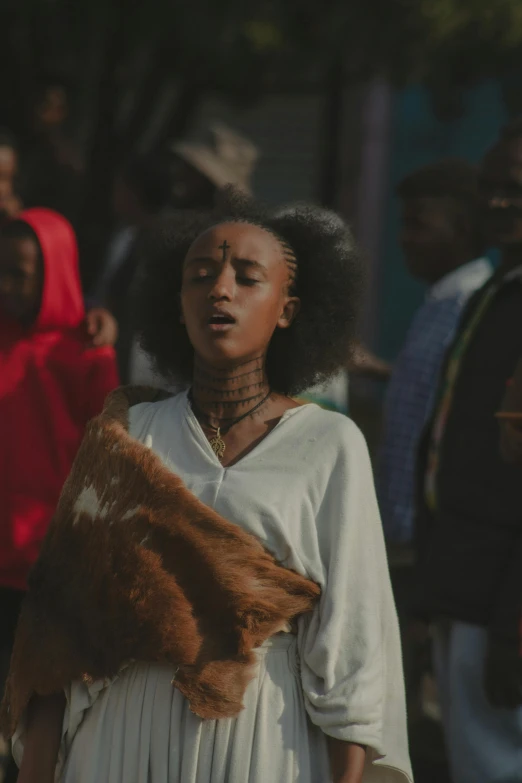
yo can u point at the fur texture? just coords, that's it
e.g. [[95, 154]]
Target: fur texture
[[135, 568]]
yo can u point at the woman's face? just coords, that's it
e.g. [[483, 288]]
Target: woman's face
[[235, 293], [21, 278]]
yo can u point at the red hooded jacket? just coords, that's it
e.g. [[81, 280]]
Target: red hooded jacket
[[51, 384]]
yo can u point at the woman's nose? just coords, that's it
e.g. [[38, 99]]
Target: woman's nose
[[223, 287]]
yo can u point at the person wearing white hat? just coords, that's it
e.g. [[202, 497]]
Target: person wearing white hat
[[201, 169]]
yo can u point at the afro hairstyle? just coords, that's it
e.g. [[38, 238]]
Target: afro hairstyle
[[325, 272]]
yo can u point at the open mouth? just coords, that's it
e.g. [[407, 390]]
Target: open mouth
[[220, 322]]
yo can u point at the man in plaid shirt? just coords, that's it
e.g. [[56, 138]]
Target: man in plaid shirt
[[442, 247], [468, 522]]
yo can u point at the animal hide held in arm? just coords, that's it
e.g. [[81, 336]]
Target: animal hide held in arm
[[135, 568]]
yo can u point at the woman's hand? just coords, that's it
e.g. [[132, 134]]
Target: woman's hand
[[347, 761], [102, 328]]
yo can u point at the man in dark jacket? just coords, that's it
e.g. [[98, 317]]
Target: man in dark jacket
[[470, 506]]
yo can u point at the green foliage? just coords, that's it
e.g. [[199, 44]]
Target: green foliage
[[131, 61], [410, 40], [230, 44]]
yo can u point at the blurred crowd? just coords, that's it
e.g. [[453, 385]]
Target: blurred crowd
[[448, 466], [447, 477]]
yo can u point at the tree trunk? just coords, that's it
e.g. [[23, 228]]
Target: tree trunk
[[103, 157], [331, 133]]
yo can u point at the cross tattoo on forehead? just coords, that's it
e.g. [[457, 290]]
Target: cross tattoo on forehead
[[224, 247]]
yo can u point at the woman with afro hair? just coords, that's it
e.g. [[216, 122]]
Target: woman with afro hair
[[249, 307]]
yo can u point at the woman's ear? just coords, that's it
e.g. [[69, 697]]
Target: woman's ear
[[290, 310]]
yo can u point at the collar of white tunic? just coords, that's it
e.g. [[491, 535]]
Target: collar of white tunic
[[465, 279], [204, 442]]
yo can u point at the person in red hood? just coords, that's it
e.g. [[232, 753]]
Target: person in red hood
[[51, 384]]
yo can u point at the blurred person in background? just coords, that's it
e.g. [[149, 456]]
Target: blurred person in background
[[51, 384], [100, 325], [52, 170], [10, 202], [141, 194], [470, 505], [443, 249], [201, 170]]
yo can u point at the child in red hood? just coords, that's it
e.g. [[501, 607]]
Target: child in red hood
[[50, 385]]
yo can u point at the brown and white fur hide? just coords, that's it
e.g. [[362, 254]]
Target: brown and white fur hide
[[135, 568]]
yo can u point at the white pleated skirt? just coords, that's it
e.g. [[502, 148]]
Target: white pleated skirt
[[139, 729]]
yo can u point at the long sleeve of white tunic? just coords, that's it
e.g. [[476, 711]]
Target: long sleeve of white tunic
[[351, 668]]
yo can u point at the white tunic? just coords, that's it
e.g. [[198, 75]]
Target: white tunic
[[306, 491]]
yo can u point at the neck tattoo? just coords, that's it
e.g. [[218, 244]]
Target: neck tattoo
[[222, 398]]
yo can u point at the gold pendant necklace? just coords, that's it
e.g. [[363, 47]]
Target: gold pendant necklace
[[217, 444]]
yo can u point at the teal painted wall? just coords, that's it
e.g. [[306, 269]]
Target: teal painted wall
[[418, 138]]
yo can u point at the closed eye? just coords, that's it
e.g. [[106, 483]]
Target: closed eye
[[202, 278], [247, 281]]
